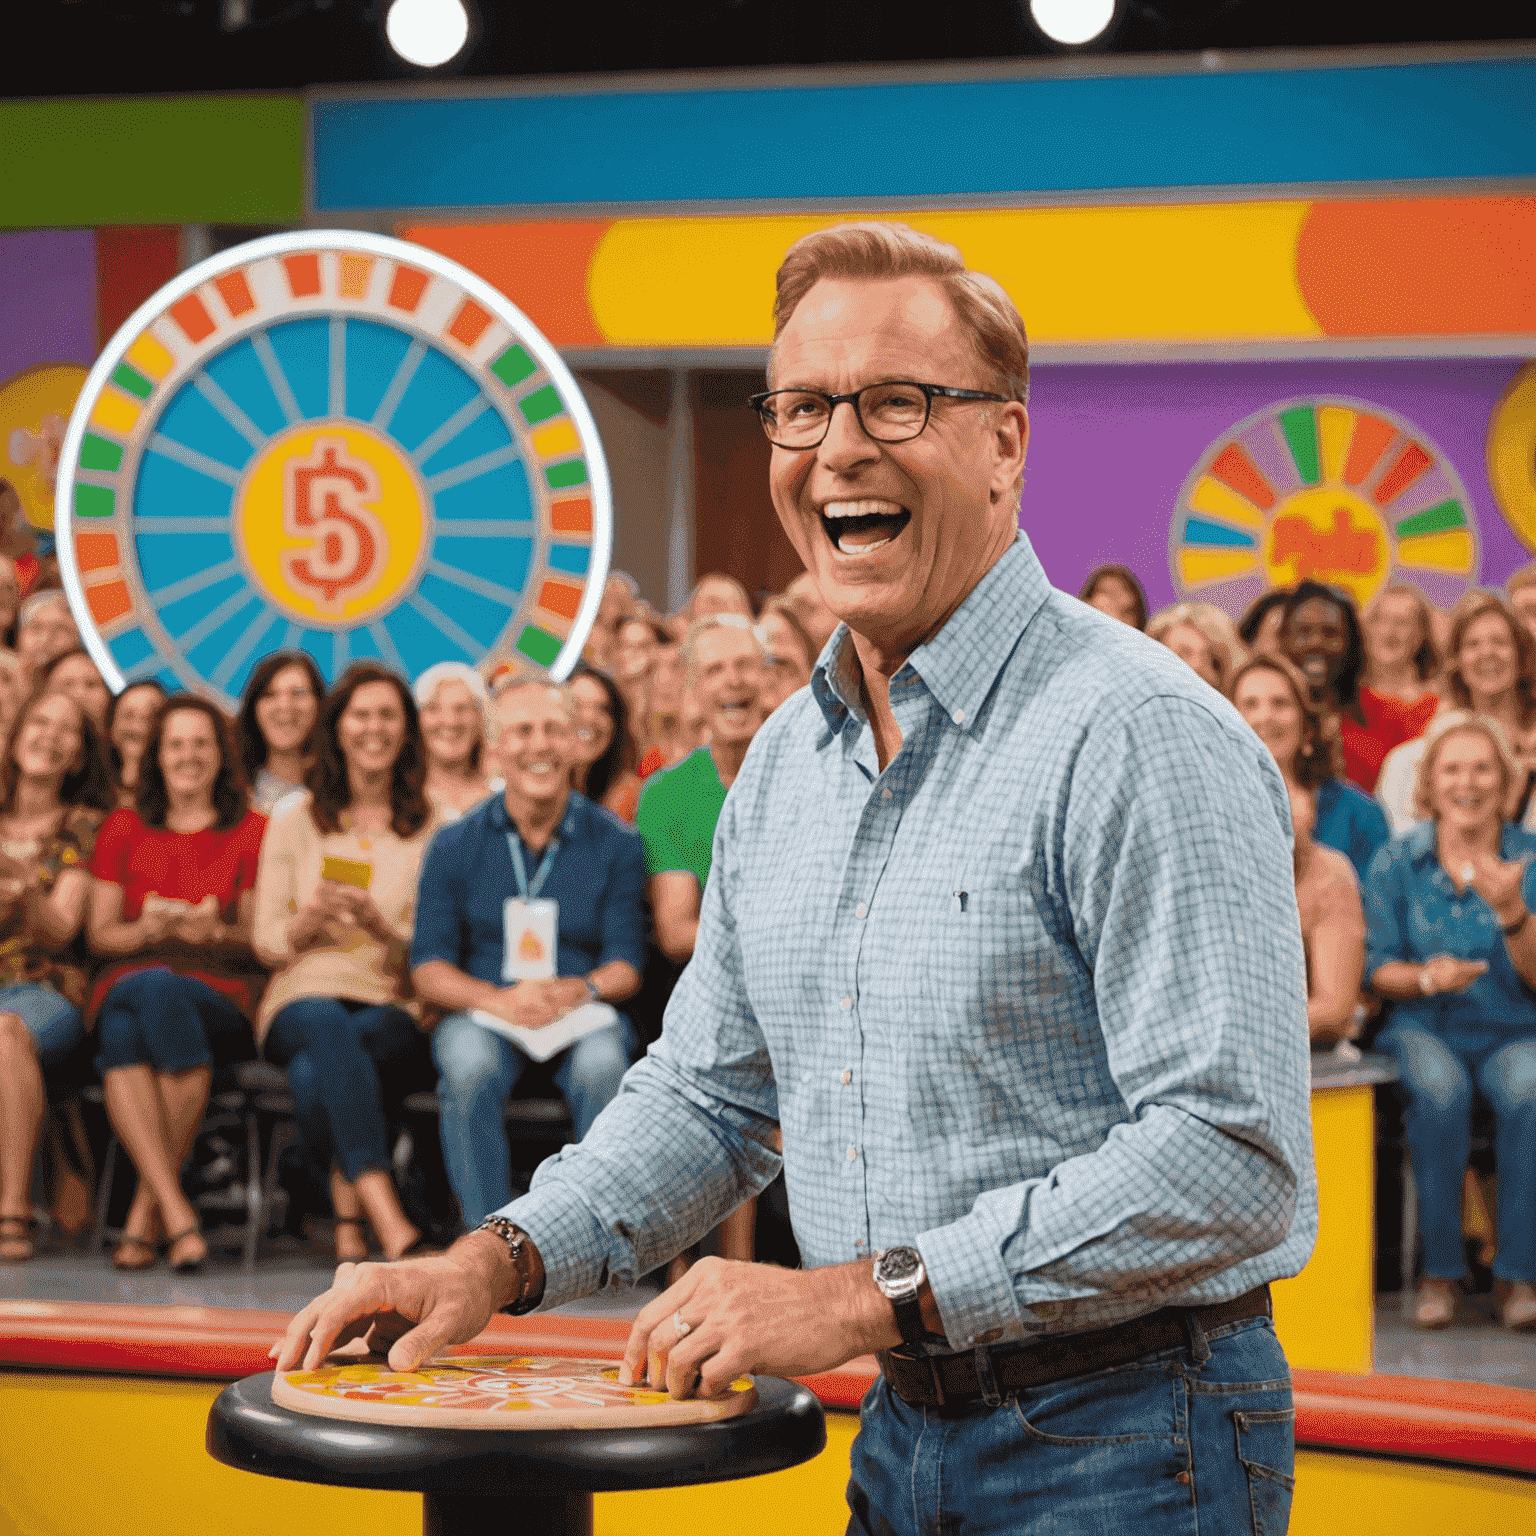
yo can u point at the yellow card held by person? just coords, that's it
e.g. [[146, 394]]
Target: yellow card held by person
[[355, 872]]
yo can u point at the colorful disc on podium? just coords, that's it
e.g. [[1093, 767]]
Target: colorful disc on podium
[[1340, 491], [334, 442]]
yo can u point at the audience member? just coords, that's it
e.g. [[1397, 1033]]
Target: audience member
[[54, 791], [638, 639], [1320, 634], [1400, 656], [13, 688], [454, 704], [1332, 928], [715, 594], [672, 729], [791, 652], [1114, 589], [10, 601], [621, 592], [1490, 669], [171, 913], [1259, 627], [679, 808], [130, 719], [816, 619], [1521, 590], [1202, 636], [1273, 697], [529, 907], [276, 726], [1452, 945], [606, 755], [334, 904], [73, 672], [46, 629]]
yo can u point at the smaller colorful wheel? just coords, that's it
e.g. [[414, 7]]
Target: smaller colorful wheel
[[1512, 455], [1339, 491], [336, 442]]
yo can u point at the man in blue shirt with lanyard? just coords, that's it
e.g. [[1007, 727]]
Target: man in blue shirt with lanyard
[[529, 907], [1001, 929]]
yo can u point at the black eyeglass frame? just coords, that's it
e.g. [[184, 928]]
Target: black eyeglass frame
[[946, 391]]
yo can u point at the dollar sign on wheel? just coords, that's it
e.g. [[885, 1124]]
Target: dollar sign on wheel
[[327, 499]]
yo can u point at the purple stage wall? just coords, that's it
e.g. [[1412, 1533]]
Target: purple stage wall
[[1111, 445], [47, 298]]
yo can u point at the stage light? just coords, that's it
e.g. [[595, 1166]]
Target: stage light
[[1072, 22], [427, 33]]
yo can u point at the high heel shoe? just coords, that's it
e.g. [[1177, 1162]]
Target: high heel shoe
[[134, 1252], [188, 1264]]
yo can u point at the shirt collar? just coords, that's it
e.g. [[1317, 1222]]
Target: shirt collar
[[569, 823], [1421, 841], [959, 664]]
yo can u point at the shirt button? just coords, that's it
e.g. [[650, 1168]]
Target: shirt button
[[846, 1004], [853, 1153], [862, 910], [958, 717], [846, 1078]]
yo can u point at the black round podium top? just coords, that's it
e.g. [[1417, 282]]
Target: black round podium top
[[247, 1430]]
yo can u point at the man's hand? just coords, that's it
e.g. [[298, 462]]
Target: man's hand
[[746, 1318], [533, 1004], [1448, 974], [412, 1308]]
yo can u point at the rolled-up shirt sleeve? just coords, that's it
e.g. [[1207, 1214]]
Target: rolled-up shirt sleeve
[[1174, 874], [686, 1140]]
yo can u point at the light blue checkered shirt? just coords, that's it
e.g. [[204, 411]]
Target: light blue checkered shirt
[[1032, 1000]]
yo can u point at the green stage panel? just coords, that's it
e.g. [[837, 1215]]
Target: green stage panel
[[152, 160]]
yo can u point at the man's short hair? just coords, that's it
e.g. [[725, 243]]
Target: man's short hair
[[879, 250], [722, 621], [516, 685]]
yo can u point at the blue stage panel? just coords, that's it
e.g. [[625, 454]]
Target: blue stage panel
[[303, 349], [1190, 128]]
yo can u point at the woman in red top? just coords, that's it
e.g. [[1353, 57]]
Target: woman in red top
[[1400, 656], [1320, 634], [172, 908]]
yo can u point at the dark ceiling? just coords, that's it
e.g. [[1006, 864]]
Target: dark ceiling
[[82, 47]]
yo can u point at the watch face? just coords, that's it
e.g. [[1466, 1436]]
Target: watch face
[[898, 1264]]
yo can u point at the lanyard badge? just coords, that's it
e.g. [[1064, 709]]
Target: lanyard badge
[[530, 926]]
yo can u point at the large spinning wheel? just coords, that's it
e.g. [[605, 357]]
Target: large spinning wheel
[[336, 442]]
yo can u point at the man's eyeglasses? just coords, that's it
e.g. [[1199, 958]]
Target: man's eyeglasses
[[893, 412]]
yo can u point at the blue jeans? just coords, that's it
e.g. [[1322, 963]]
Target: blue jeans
[[161, 1019], [54, 1023], [342, 1057], [1194, 1439], [1437, 1073], [478, 1070]]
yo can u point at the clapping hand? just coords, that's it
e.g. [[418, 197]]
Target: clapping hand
[[1499, 884], [1448, 974], [158, 916]]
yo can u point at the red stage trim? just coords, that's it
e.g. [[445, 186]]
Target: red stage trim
[[1456, 1423]]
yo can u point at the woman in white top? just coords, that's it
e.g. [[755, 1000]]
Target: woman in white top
[[454, 704], [335, 907], [1490, 670], [278, 711]]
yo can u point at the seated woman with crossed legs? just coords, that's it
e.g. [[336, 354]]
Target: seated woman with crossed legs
[[1452, 944], [54, 790], [335, 905], [171, 911]]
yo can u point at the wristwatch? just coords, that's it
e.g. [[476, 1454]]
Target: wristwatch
[[899, 1272], [515, 1238]]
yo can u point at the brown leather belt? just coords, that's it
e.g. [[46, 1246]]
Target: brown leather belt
[[939, 1381]]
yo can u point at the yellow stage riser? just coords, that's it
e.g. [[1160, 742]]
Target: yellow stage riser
[[100, 1456]]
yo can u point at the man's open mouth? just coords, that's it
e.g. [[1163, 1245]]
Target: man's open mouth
[[860, 527]]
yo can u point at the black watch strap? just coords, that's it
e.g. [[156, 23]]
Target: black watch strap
[[909, 1318]]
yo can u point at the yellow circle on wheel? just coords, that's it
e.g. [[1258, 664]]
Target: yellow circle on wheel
[[1512, 455], [1331, 534], [331, 522]]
